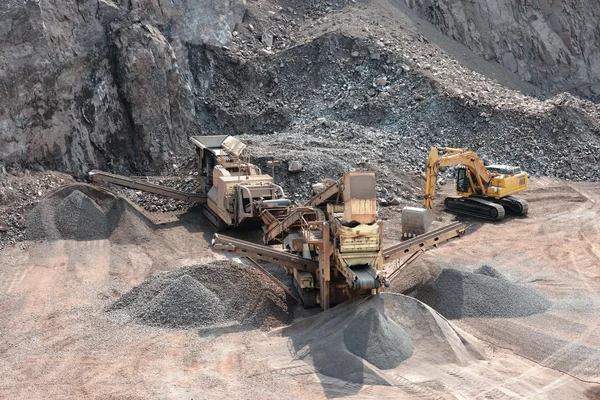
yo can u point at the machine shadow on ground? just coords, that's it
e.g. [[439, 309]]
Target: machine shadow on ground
[[192, 220], [313, 352]]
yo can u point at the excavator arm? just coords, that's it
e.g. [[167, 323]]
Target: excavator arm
[[451, 156]]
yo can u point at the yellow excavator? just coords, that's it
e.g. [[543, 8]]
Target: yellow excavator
[[483, 191]]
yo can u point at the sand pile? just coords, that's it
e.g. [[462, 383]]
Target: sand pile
[[485, 293], [84, 212], [205, 295], [355, 340]]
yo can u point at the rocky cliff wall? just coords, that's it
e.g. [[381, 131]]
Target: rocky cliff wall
[[554, 44], [99, 83]]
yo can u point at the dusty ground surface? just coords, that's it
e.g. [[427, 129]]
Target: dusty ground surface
[[58, 341], [368, 85]]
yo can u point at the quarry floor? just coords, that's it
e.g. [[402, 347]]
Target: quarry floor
[[56, 340]]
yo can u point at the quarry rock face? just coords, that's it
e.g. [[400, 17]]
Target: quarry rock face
[[101, 83], [552, 44], [160, 100]]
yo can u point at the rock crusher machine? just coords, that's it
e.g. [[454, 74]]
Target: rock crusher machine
[[332, 245]]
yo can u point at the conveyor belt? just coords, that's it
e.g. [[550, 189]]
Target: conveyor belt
[[424, 241], [363, 279], [106, 178], [265, 253], [275, 280], [323, 196], [284, 225]]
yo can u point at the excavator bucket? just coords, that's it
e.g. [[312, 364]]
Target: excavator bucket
[[415, 221]]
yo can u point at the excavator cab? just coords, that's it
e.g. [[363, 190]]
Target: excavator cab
[[462, 181]]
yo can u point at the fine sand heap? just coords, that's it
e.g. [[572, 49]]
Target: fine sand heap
[[201, 296], [356, 340], [84, 212], [484, 293]]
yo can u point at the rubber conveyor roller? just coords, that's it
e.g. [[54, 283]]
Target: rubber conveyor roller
[[363, 279]]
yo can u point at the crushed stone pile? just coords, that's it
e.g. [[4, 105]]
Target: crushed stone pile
[[80, 218], [489, 271], [184, 303], [205, 295], [84, 212], [183, 178], [459, 294], [19, 194], [379, 340], [355, 340]]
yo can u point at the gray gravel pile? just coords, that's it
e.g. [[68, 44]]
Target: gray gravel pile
[[83, 212], [241, 294], [356, 339], [458, 294], [379, 340], [78, 217], [184, 303], [20, 192], [489, 271]]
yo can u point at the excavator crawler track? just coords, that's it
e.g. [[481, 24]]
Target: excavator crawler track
[[475, 207], [514, 205], [214, 219]]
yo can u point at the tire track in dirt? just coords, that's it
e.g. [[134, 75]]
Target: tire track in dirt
[[572, 254], [416, 391]]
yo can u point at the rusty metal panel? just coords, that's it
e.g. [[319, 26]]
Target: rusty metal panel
[[360, 210], [233, 146], [360, 185], [210, 143], [248, 179], [295, 242], [362, 238], [219, 172]]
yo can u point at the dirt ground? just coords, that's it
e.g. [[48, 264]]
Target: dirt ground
[[58, 342]]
